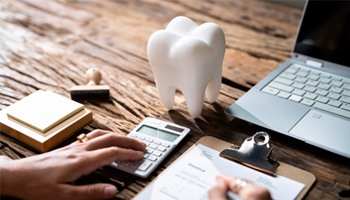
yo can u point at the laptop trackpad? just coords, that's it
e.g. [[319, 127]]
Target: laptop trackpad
[[324, 130]]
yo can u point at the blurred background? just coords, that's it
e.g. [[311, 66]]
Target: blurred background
[[295, 3]]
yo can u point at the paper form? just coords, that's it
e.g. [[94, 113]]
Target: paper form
[[194, 174]]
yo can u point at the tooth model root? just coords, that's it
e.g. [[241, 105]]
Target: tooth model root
[[189, 58], [194, 100], [213, 90], [166, 95]]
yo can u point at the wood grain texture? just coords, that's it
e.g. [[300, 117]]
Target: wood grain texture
[[47, 44]]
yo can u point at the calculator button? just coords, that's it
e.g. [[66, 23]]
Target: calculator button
[[157, 153], [161, 148], [123, 163], [152, 158], [145, 165], [149, 150], [145, 155], [146, 143], [157, 142], [133, 135], [149, 139], [141, 137], [153, 146], [134, 165], [165, 144]]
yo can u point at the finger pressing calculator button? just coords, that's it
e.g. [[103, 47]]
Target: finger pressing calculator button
[[145, 165]]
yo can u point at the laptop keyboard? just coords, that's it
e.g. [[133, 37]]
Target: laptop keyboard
[[313, 88]]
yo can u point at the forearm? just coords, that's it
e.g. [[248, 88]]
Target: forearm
[[10, 185]]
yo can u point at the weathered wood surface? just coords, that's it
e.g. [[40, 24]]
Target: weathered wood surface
[[48, 44]]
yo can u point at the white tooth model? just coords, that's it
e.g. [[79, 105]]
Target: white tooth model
[[189, 58]]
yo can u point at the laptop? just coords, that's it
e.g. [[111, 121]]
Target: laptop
[[308, 96]]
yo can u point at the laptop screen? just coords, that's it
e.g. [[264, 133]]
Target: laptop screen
[[325, 31]]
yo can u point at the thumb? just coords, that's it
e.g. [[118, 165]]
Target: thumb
[[92, 191]]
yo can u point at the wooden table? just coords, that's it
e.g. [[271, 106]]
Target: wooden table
[[49, 45]]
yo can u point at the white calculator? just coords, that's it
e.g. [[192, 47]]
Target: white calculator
[[160, 137]]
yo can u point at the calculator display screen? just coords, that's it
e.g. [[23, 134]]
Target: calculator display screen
[[151, 131]]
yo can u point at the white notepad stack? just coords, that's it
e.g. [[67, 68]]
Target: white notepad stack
[[44, 119]]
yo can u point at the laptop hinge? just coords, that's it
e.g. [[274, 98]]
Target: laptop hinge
[[313, 63]]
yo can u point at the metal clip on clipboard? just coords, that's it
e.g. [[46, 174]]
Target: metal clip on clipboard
[[254, 153]]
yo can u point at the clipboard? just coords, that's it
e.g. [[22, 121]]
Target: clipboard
[[286, 170], [283, 169]]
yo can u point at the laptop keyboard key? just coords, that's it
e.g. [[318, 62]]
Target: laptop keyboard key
[[346, 80], [337, 83], [345, 99], [325, 80], [298, 92], [336, 89], [300, 79], [333, 95], [346, 92], [284, 81], [280, 86], [310, 95], [346, 86], [302, 73], [291, 70], [312, 83], [298, 85], [345, 106], [334, 103], [307, 102], [322, 99], [295, 98], [332, 109], [270, 90], [321, 92], [310, 88], [284, 95], [336, 78], [324, 86], [288, 76], [313, 77]]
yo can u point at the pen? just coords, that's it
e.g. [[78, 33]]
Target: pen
[[232, 196]]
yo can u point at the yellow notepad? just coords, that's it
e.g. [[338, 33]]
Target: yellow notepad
[[43, 110]]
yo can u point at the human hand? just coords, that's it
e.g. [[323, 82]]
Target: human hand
[[47, 176], [246, 191]]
